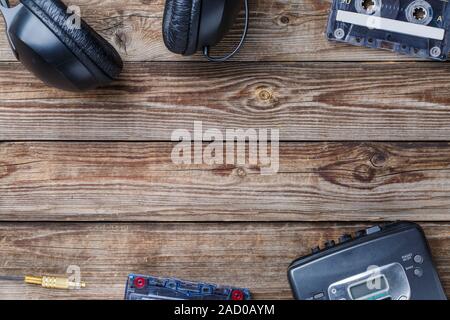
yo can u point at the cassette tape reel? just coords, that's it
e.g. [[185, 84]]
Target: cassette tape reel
[[414, 27]]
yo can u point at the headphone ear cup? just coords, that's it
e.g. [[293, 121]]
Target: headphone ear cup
[[83, 42], [181, 26]]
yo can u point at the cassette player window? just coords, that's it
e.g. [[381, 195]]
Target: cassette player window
[[369, 288]]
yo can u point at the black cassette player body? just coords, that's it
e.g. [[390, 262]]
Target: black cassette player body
[[391, 262]]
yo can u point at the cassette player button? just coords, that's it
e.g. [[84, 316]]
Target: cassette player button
[[319, 296], [372, 230], [315, 250], [345, 237], [418, 259], [418, 272], [360, 233], [330, 244]]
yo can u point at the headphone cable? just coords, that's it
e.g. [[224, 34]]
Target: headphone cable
[[206, 52], [11, 278], [49, 282]]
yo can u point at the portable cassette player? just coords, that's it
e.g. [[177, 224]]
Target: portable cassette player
[[390, 262]]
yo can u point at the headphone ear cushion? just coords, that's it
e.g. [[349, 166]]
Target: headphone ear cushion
[[181, 25], [84, 42]]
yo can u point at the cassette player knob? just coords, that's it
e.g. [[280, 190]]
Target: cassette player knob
[[345, 237], [329, 244]]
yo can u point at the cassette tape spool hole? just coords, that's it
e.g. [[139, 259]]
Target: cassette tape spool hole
[[419, 12], [139, 283], [369, 7]]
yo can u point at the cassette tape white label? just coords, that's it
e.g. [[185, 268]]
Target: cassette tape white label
[[414, 27]]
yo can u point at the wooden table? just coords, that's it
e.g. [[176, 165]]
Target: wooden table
[[87, 179]]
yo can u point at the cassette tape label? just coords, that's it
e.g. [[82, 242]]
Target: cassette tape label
[[414, 27]]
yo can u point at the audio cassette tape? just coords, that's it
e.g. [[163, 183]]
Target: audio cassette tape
[[417, 28], [142, 287]]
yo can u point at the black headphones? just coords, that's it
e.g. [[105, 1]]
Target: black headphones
[[193, 25], [77, 58], [61, 55]]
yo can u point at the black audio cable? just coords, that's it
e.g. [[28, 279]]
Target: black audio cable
[[12, 278], [239, 46]]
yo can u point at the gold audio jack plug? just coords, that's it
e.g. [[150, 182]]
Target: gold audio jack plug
[[55, 282]]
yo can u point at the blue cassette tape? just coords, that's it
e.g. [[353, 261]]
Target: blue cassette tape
[[141, 287], [418, 28]]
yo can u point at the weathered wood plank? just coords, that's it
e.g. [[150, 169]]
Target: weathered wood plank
[[306, 101], [280, 31], [251, 255], [138, 181]]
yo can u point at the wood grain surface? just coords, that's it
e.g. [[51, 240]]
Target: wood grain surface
[[254, 255], [87, 179], [138, 181], [305, 101], [280, 30]]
